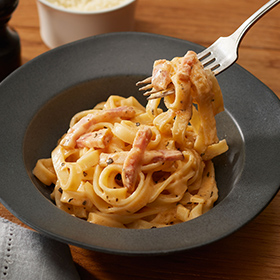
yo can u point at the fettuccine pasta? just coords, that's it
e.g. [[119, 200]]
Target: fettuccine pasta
[[125, 165]]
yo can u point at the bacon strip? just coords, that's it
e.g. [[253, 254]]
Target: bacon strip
[[132, 163], [84, 124], [98, 139], [161, 76], [165, 155], [148, 157]]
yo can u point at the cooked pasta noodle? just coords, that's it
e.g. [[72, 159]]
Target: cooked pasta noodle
[[124, 165]]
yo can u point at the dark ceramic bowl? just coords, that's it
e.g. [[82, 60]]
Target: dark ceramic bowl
[[38, 100]]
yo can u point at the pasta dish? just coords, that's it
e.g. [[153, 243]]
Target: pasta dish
[[124, 165]]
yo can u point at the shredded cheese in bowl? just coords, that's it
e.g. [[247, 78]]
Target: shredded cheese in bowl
[[88, 5]]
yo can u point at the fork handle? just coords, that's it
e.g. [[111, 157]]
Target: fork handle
[[243, 28]]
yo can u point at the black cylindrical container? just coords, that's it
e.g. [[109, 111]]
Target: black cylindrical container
[[10, 57]]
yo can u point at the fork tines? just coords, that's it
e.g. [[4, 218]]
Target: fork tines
[[160, 94], [145, 81], [153, 93], [208, 60]]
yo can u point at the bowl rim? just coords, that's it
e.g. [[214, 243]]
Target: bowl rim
[[77, 12]]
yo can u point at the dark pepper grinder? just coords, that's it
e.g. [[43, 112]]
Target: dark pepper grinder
[[9, 40]]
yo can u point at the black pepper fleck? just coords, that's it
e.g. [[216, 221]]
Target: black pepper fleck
[[109, 161]]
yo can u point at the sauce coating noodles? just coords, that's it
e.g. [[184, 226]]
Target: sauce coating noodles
[[125, 165]]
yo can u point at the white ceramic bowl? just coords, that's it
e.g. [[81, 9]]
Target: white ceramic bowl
[[59, 26]]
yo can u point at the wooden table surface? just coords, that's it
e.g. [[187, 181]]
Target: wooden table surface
[[253, 252]]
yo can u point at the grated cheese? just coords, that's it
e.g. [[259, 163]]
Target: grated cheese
[[87, 5]]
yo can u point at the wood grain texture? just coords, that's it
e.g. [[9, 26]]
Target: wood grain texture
[[252, 253]]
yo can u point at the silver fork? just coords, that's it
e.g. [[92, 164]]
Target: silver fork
[[220, 55]]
